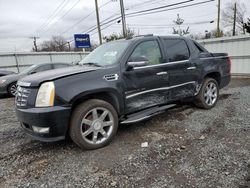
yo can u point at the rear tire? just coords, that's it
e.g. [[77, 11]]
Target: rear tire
[[208, 94], [12, 89], [93, 124]]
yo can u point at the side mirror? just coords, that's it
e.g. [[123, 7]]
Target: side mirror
[[137, 62]]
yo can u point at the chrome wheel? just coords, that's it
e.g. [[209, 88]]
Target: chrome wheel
[[211, 93], [97, 125], [13, 89]]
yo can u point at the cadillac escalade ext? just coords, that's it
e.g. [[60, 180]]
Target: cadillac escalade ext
[[120, 82]]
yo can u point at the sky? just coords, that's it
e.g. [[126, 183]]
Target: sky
[[20, 20]]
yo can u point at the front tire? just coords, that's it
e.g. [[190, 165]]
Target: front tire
[[208, 95], [94, 124], [12, 89]]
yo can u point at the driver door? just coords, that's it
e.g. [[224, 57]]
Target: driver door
[[143, 84]]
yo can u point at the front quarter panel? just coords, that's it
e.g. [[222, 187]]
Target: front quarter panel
[[70, 89]]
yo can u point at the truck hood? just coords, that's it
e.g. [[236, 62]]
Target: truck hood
[[36, 79]]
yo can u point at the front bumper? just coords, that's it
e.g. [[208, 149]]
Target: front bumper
[[55, 118]]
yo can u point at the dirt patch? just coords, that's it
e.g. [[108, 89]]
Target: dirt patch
[[187, 147]]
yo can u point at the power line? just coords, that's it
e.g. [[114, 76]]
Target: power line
[[65, 14], [84, 18], [131, 14], [51, 15], [54, 15], [143, 4], [168, 25], [102, 24], [184, 6], [146, 13], [104, 28], [93, 28], [161, 7], [44, 24]]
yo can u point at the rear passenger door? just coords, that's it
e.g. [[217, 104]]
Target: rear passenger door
[[181, 78]]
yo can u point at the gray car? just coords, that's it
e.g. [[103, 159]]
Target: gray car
[[5, 73], [8, 83]]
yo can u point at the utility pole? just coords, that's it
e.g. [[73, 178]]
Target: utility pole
[[235, 11], [124, 29], [218, 20], [98, 22], [69, 45], [35, 45]]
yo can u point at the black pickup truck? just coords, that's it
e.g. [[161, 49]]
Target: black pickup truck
[[120, 82]]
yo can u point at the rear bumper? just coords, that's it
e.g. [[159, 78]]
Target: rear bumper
[[225, 80], [56, 119]]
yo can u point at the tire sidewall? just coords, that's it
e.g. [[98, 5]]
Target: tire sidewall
[[9, 87], [76, 119], [201, 94]]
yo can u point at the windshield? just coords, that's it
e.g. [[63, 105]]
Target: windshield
[[26, 71], [106, 54]]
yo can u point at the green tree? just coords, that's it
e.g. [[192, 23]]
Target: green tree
[[213, 34], [115, 36]]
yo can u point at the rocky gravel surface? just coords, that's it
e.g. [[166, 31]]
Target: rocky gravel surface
[[187, 147]]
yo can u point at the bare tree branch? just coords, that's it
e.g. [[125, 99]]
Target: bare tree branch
[[228, 15]]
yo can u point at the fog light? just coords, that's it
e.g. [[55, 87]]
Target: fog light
[[40, 129]]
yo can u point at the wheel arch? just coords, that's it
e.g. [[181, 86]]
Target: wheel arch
[[109, 96], [215, 75]]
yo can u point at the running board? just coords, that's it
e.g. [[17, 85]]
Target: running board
[[146, 114]]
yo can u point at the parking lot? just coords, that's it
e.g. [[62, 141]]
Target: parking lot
[[187, 147]]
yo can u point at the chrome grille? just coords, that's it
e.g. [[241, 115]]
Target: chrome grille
[[22, 96]]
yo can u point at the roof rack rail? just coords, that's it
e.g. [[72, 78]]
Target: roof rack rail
[[147, 35]]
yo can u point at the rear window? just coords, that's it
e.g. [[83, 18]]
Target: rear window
[[177, 49]]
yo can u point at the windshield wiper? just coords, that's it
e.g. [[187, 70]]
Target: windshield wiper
[[92, 64]]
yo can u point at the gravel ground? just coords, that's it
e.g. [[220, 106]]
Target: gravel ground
[[187, 147]]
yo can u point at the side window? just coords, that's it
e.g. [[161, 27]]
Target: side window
[[43, 68], [177, 49], [148, 49], [57, 66]]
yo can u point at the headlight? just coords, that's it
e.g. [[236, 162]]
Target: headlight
[[2, 81], [46, 95]]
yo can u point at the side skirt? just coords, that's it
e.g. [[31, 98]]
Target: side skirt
[[146, 114]]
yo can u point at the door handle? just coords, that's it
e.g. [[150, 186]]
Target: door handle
[[161, 73], [191, 68]]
